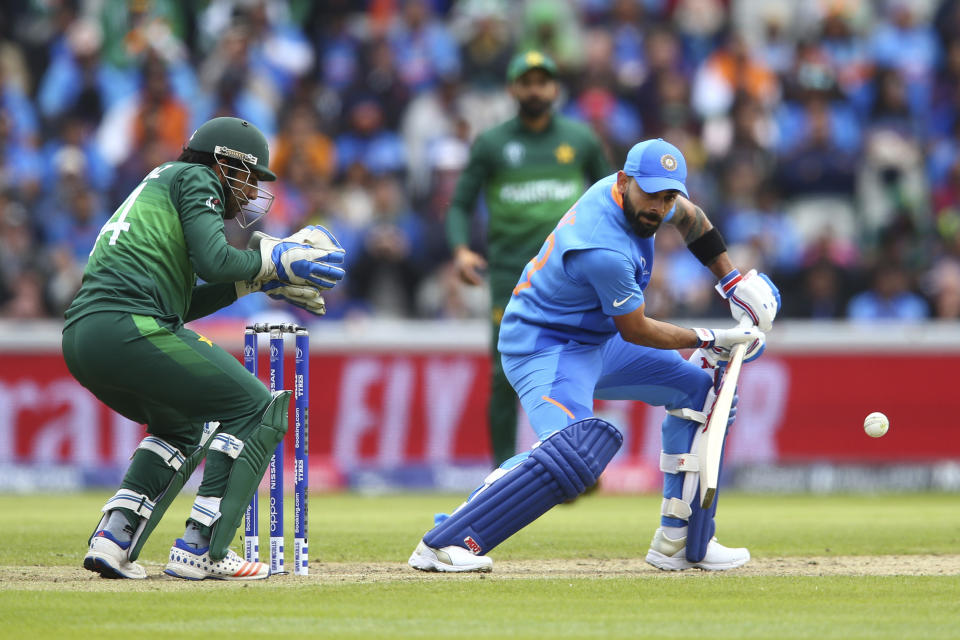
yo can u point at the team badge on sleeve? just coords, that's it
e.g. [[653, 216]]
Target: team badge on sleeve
[[213, 202]]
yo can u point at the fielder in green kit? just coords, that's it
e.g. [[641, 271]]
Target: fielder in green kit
[[124, 340], [531, 170]]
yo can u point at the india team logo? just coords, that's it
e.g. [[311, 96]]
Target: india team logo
[[668, 162]]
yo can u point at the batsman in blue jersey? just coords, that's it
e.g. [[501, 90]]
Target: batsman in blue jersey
[[575, 330]]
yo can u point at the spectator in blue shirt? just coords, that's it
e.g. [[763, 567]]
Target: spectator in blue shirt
[[889, 298], [424, 49], [78, 81], [367, 141]]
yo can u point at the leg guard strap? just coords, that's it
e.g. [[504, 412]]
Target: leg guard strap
[[227, 444], [247, 471], [677, 462], [126, 499], [169, 453], [205, 510], [560, 469], [676, 508], [167, 496]]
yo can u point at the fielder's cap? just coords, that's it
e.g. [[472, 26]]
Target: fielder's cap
[[657, 165], [523, 62]]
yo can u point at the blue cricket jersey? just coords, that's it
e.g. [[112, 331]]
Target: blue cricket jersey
[[590, 268]]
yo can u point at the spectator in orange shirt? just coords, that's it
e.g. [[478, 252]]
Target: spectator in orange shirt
[[728, 71], [160, 115]]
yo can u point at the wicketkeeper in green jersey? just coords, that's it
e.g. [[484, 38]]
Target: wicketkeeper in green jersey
[[531, 170], [124, 340]]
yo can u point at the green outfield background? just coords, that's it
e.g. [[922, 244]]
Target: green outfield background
[[865, 566]]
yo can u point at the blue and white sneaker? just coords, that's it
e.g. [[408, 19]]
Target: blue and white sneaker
[[190, 563], [108, 557]]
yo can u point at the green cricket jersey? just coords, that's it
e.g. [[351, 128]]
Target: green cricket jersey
[[148, 255], [529, 179]]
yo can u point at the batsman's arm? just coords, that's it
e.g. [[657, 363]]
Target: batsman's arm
[[754, 296], [613, 277], [637, 328], [701, 237]]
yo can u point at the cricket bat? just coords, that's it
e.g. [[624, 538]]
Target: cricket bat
[[711, 444]]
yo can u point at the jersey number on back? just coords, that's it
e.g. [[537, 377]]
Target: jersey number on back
[[541, 258], [120, 224]]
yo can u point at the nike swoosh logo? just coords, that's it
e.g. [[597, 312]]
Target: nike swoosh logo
[[620, 303]]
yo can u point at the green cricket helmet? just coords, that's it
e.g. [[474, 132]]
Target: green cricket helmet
[[241, 151]]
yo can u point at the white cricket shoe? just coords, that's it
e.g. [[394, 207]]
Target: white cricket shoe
[[670, 555], [451, 559], [109, 559], [196, 564]]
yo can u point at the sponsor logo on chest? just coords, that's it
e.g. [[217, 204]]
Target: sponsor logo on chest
[[538, 191]]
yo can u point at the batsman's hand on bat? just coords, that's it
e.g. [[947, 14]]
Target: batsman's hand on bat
[[308, 257], [715, 344], [469, 265], [752, 297]]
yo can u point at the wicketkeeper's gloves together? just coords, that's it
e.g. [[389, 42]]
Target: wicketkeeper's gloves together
[[297, 268], [308, 257]]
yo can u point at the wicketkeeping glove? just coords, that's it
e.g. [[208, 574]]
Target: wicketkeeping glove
[[292, 261], [303, 296]]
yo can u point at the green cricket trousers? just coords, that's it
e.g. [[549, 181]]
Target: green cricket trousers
[[156, 372]]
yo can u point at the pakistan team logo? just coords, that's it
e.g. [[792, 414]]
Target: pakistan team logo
[[564, 153], [513, 152]]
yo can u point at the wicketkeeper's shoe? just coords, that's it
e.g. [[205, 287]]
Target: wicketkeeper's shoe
[[108, 557], [448, 559], [195, 564], [671, 555]]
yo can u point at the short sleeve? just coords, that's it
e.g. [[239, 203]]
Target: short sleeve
[[611, 274]]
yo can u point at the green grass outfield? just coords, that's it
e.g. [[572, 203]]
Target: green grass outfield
[[878, 566]]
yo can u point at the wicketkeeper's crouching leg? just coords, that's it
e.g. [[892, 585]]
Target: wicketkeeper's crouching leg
[[234, 469], [156, 475], [685, 538], [558, 469]]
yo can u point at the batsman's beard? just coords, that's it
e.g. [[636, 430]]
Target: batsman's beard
[[641, 227]]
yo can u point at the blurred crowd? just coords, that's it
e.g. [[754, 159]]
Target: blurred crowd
[[822, 136]]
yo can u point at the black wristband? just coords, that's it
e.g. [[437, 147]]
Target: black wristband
[[708, 246]]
